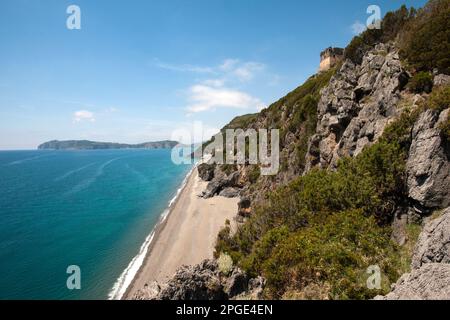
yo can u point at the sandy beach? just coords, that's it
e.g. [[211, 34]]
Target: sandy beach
[[187, 236]]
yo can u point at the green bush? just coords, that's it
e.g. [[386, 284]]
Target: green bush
[[254, 174], [364, 191], [439, 99], [421, 82], [337, 252], [425, 43], [391, 25]]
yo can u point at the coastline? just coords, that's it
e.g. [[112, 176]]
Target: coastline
[[185, 235], [127, 277]]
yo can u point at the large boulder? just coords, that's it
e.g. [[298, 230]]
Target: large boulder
[[430, 282], [204, 281], [428, 166], [441, 80], [206, 171], [200, 282], [433, 245], [222, 181], [230, 192], [430, 275]]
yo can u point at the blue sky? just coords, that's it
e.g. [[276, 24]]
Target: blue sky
[[140, 69]]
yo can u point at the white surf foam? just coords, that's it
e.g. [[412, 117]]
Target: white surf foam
[[127, 276]]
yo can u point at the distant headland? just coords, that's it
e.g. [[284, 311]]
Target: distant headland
[[93, 145]]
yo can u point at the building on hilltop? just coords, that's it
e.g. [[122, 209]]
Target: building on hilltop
[[330, 57]]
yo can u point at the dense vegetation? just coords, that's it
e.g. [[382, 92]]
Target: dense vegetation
[[423, 36], [421, 82], [425, 41], [316, 236], [297, 113], [325, 228]]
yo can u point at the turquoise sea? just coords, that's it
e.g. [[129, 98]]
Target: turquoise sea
[[92, 209]]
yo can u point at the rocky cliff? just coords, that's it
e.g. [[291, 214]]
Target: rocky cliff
[[364, 157]]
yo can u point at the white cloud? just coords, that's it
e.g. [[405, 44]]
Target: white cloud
[[247, 71], [216, 92], [183, 67], [358, 27], [229, 68], [204, 98], [228, 64], [214, 82], [83, 115]]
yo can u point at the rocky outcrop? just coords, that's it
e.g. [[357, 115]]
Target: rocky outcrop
[[441, 80], [433, 245], [204, 281], [230, 192], [220, 182], [206, 171], [430, 275], [356, 106], [430, 282], [428, 166]]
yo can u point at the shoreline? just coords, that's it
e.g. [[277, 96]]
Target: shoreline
[[186, 236], [123, 284]]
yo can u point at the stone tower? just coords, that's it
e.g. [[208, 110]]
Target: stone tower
[[329, 57]]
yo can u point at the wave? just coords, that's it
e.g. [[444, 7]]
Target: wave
[[127, 276], [86, 183], [71, 172], [139, 175], [26, 160]]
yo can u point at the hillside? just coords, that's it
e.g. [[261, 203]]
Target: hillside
[[93, 145], [364, 181]]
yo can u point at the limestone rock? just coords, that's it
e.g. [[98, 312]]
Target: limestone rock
[[220, 182], [430, 282], [206, 171], [204, 282], [149, 292], [428, 166], [229, 192], [433, 245], [200, 282], [441, 80], [356, 106], [236, 283]]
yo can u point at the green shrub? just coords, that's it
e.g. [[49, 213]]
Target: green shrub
[[338, 252], [421, 82], [425, 41], [310, 210], [391, 25], [254, 174], [439, 99]]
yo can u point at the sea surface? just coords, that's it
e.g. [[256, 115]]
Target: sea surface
[[92, 209]]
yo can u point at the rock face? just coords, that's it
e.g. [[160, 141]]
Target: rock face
[[428, 164], [206, 171], [229, 193], [203, 282], [430, 275], [431, 282], [433, 245], [220, 182], [441, 80], [356, 106]]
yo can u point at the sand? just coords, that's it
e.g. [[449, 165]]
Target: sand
[[187, 236]]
